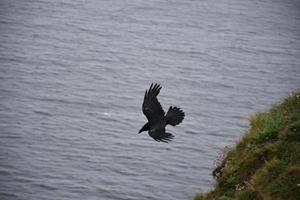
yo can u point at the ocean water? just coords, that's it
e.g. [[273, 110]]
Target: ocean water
[[73, 74]]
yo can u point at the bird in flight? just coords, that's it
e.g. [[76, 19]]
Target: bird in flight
[[157, 119]]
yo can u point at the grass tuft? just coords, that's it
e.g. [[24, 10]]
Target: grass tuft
[[265, 164]]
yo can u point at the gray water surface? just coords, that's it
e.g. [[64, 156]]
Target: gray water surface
[[73, 75]]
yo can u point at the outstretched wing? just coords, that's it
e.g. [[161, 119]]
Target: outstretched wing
[[151, 107], [174, 116], [160, 135]]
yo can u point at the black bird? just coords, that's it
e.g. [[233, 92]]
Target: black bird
[[157, 120]]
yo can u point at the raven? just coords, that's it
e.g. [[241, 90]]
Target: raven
[[157, 120]]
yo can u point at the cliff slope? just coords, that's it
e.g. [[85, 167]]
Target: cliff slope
[[265, 164]]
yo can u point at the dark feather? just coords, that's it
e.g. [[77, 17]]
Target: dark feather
[[174, 116], [151, 106], [160, 135], [157, 120]]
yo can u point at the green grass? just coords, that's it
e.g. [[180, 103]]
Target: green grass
[[265, 164]]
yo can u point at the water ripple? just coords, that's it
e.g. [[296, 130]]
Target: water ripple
[[73, 75]]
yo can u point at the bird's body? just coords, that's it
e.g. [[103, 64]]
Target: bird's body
[[157, 119]]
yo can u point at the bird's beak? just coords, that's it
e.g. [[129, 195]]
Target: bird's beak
[[139, 131]]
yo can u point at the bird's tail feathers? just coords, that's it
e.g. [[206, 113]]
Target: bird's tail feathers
[[174, 116]]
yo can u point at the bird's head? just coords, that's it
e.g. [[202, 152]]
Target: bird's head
[[146, 127]]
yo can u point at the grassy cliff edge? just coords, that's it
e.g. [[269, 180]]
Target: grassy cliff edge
[[265, 164]]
